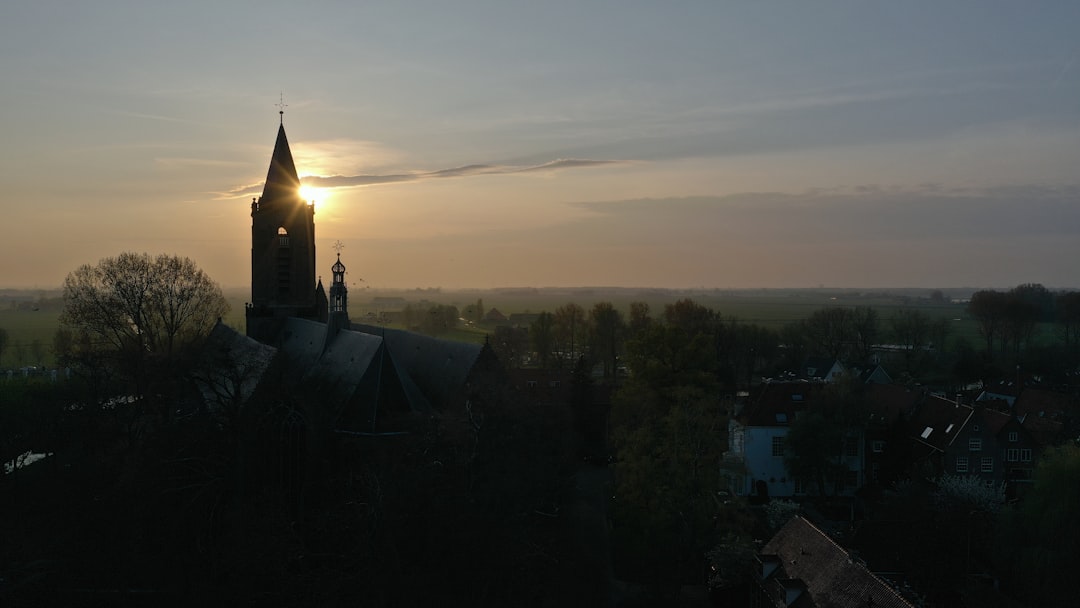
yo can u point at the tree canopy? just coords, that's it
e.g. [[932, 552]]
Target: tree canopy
[[135, 308]]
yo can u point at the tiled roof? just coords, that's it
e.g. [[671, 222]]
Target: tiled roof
[[776, 403], [1046, 403], [825, 570], [937, 421], [887, 402]]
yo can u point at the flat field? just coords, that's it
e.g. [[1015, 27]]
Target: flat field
[[31, 319]]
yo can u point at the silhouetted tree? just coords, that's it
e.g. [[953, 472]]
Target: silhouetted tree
[[606, 337], [139, 310], [570, 330], [987, 307], [542, 337]]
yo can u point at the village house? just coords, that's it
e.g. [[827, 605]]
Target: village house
[[801, 567]]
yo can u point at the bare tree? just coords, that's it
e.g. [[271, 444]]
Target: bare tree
[[137, 309]]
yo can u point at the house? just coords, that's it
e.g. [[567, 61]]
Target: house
[[801, 567], [820, 369], [754, 463], [934, 428]]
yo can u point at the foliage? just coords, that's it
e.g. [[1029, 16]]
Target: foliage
[[1040, 535], [968, 492], [3, 343], [542, 338], [778, 512], [134, 311], [606, 337], [571, 330], [814, 446]]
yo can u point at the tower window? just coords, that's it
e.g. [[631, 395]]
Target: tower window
[[283, 237]]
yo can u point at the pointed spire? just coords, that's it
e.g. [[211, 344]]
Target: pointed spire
[[282, 182]]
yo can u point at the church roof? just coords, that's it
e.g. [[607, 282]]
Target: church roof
[[281, 180]]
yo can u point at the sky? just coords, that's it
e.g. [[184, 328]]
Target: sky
[[563, 143]]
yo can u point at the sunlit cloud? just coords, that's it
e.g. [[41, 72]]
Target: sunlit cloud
[[353, 181]]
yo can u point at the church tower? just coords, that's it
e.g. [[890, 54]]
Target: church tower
[[282, 243]]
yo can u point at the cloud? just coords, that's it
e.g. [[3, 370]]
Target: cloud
[[349, 181]]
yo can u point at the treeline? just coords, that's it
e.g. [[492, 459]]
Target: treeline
[[1027, 325]]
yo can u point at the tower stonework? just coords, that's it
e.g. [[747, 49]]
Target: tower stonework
[[282, 245]]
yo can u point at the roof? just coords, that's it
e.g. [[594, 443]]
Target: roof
[[811, 561], [233, 366], [776, 403], [937, 421], [889, 402], [1046, 403], [282, 182], [817, 367], [438, 368], [357, 371]]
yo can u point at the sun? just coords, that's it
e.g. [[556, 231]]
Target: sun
[[311, 193]]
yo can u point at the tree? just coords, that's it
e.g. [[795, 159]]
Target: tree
[[988, 309], [911, 330], [569, 329], [814, 446], [1068, 318], [1040, 535], [3, 342], [542, 337], [608, 329], [140, 310]]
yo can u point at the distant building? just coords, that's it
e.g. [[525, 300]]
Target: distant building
[[801, 567], [300, 340]]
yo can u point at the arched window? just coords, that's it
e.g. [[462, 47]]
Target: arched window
[[283, 237]]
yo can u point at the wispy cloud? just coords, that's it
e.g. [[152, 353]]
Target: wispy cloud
[[354, 181]]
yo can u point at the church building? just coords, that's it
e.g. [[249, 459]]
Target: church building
[[303, 342]]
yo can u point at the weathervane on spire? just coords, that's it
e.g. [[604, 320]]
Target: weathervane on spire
[[281, 105], [338, 246]]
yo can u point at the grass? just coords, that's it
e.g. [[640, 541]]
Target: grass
[[28, 324]]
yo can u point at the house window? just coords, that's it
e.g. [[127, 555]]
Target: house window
[[851, 448], [975, 444], [877, 446], [1025, 455], [1014, 436], [800, 488], [851, 479], [961, 464], [777, 446], [283, 237], [1012, 454], [875, 471], [987, 464]]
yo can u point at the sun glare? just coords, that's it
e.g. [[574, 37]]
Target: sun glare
[[311, 193]]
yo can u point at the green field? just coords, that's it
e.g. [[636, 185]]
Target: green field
[[31, 319]]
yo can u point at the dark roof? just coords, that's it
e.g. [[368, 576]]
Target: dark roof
[[354, 373], [888, 402], [282, 182], [776, 403], [816, 367], [232, 365], [438, 368], [937, 422], [1046, 403], [808, 560], [1044, 431]]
